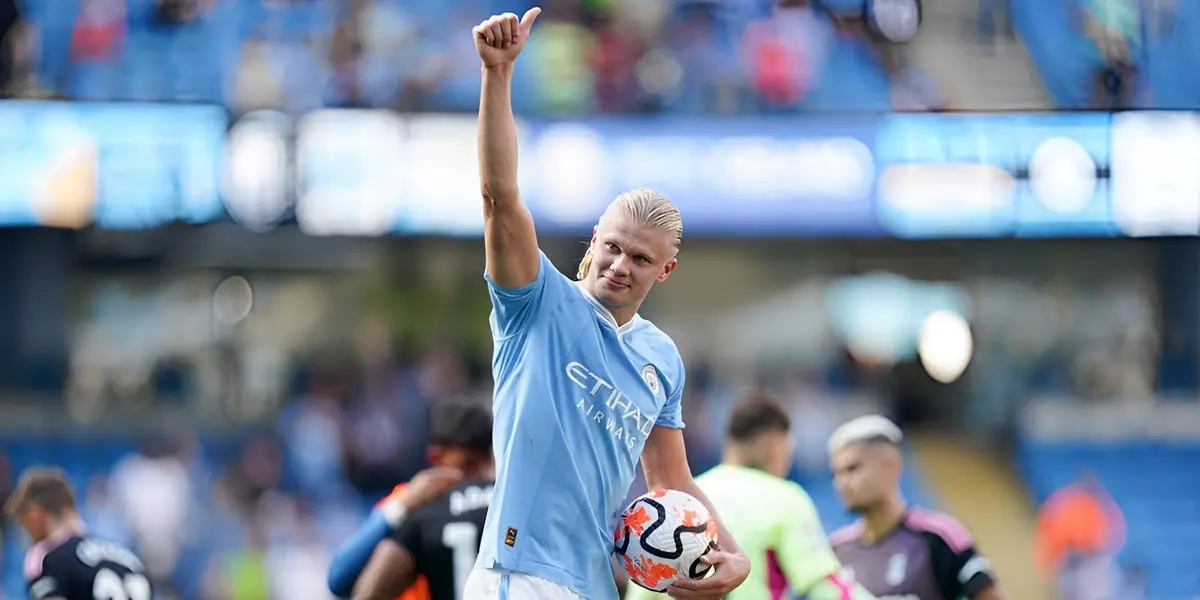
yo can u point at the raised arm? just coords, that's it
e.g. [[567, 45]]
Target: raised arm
[[509, 237]]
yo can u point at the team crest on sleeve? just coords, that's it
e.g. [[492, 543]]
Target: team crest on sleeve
[[650, 376]]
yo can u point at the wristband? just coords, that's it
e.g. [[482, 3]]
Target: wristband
[[394, 513]]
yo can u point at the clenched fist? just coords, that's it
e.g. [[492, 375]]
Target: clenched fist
[[500, 39]]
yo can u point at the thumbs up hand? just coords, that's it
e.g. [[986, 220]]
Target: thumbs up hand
[[499, 39]]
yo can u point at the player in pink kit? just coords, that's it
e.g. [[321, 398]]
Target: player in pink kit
[[897, 550]]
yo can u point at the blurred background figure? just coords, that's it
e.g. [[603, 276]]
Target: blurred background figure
[[1080, 532]]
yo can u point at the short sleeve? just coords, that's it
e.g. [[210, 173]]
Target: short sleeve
[[45, 586], [515, 309], [43, 583], [960, 572], [672, 412], [805, 555]]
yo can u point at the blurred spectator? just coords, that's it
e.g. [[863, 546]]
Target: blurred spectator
[[1080, 530], [559, 56], [994, 20], [1115, 28], [154, 491], [10, 20], [313, 432], [614, 58], [814, 419], [295, 559], [103, 514], [784, 53]]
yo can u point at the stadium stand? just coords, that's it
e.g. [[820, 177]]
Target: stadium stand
[[1139, 456]]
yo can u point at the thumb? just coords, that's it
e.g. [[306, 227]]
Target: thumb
[[531, 15]]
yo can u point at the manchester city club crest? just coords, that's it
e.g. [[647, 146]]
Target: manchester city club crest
[[650, 376]]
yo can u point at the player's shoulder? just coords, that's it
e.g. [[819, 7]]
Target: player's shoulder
[[848, 534], [941, 526], [649, 333], [41, 555], [556, 279], [93, 551], [661, 349]]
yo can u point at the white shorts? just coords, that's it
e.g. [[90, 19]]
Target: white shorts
[[488, 584]]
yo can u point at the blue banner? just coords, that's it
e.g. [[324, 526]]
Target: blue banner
[[760, 176], [374, 172], [121, 166], [994, 175]]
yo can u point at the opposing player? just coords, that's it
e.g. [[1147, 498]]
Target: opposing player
[[440, 541], [64, 563], [773, 518], [460, 447], [897, 550], [584, 387]]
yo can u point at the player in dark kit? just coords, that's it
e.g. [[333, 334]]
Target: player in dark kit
[[65, 564], [440, 540], [898, 551]]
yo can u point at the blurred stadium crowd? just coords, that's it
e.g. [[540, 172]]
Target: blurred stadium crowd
[[235, 428], [609, 56]]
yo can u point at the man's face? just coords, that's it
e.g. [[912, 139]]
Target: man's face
[[862, 475], [627, 260], [36, 521]]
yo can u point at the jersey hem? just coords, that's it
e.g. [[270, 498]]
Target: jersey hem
[[556, 575]]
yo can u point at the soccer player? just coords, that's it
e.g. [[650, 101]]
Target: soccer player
[[459, 430], [584, 387], [440, 541], [896, 549], [64, 563], [773, 518]]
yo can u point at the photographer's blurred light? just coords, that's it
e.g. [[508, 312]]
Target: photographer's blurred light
[[232, 300], [945, 345]]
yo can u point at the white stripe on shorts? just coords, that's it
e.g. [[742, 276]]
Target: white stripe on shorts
[[489, 584]]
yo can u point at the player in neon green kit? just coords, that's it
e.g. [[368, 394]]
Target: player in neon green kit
[[773, 519]]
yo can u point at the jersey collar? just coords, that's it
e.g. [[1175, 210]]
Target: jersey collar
[[605, 315]]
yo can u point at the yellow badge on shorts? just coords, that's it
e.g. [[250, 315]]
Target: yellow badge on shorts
[[650, 376]]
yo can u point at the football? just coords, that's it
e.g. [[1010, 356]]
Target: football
[[661, 536]]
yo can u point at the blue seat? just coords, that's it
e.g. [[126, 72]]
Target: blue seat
[[1155, 486]]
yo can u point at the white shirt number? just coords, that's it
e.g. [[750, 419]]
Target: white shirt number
[[109, 586], [462, 539]]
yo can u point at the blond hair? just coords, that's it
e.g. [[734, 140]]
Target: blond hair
[[647, 207]]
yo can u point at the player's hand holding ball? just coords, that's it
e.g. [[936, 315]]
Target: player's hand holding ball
[[729, 571], [667, 541], [499, 39]]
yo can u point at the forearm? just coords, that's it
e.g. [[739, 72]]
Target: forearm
[[836, 587], [352, 556], [498, 138]]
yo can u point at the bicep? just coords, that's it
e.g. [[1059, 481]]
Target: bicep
[[510, 243], [389, 572], [664, 459]]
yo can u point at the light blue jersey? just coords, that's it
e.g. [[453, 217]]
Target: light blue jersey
[[575, 398]]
